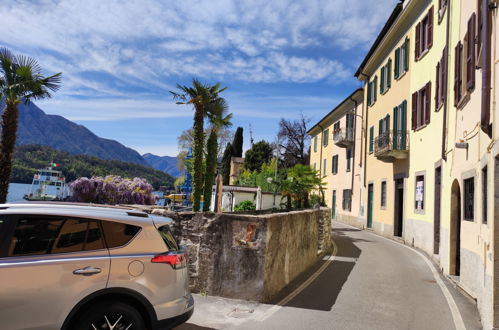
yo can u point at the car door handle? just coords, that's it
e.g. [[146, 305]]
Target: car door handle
[[87, 271]]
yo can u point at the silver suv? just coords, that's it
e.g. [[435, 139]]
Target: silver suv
[[65, 266]]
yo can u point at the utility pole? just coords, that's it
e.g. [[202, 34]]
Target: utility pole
[[275, 172]]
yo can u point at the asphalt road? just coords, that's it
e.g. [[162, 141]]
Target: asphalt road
[[370, 283]]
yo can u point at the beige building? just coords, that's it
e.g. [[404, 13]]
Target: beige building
[[430, 149], [336, 153]]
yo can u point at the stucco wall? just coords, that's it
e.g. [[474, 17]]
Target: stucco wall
[[250, 257]]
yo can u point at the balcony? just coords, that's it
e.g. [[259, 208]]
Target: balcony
[[392, 145], [343, 137]]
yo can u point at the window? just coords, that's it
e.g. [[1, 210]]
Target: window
[[469, 198], [315, 167], [118, 234], [400, 126], [419, 195], [334, 165], [349, 157], [371, 139], [421, 105], [470, 53], [383, 194], [441, 81], [36, 235], [325, 137], [424, 35], [484, 195], [371, 91], [479, 28], [401, 60], [465, 63], [315, 143], [386, 73], [168, 238], [324, 172], [347, 199], [336, 127]]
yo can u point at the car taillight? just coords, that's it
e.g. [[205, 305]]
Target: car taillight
[[175, 259]]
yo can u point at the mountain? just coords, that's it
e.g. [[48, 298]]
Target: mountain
[[36, 127], [166, 164], [28, 158]]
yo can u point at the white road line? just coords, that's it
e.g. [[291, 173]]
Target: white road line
[[456, 314], [298, 290]]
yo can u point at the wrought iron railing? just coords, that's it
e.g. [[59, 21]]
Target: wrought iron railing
[[391, 141], [343, 135]]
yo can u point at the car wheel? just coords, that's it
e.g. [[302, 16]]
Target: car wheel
[[112, 315]]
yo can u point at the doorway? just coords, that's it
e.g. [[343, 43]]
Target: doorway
[[455, 230], [370, 196], [436, 216], [398, 225]]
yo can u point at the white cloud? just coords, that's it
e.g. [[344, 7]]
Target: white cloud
[[147, 41]]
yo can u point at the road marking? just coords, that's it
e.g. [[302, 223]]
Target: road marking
[[456, 314], [298, 290]]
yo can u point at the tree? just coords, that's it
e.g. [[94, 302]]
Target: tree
[[300, 181], [202, 97], [294, 141], [218, 119], [226, 163], [237, 143], [259, 154], [21, 80]]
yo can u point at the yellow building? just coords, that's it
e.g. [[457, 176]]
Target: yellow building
[[336, 153], [430, 151]]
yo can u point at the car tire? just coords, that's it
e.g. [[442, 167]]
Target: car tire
[[104, 315]]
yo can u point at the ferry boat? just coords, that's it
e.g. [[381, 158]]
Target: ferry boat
[[48, 185]]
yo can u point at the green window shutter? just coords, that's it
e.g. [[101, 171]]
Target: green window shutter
[[324, 171], [397, 63], [403, 115], [375, 87], [406, 55], [369, 93], [315, 143], [387, 123], [381, 85], [380, 127], [371, 139], [395, 127], [388, 74]]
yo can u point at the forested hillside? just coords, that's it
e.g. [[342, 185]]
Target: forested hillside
[[29, 158]]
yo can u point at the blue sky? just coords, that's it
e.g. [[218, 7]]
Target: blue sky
[[120, 58]]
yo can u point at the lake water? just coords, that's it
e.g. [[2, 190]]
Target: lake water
[[17, 191]]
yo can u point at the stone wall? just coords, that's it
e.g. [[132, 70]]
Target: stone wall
[[250, 257]]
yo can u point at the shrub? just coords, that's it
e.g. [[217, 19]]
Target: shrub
[[245, 206], [112, 190]]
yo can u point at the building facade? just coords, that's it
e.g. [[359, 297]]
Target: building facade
[[430, 150], [336, 153]]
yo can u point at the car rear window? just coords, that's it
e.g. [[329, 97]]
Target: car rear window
[[118, 234], [168, 238]]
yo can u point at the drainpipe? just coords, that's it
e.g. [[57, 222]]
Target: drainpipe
[[486, 59], [353, 133], [446, 99], [365, 133], [320, 161]]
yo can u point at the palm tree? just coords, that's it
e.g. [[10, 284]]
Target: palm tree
[[21, 80], [217, 116], [203, 97]]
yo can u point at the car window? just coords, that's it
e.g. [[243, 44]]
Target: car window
[[118, 234], [168, 238], [36, 235]]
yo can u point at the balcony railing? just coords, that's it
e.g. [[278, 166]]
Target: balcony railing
[[392, 145], [343, 137]]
